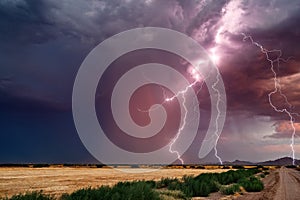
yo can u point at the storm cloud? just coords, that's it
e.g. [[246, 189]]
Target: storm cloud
[[44, 42]]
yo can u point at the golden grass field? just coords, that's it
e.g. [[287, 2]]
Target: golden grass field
[[59, 180]]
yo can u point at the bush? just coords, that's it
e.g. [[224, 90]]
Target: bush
[[252, 184], [14, 165], [200, 167], [198, 186], [228, 177], [189, 186], [232, 189], [40, 165], [167, 182], [32, 196], [88, 193], [204, 184], [122, 190], [226, 167], [262, 167], [151, 184], [266, 173], [291, 166], [237, 167], [172, 194], [174, 186]]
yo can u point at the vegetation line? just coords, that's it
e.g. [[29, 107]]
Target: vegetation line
[[229, 182]]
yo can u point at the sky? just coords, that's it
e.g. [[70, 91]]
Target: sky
[[44, 42]]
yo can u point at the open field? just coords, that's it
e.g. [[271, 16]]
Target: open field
[[279, 183], [61, 180]]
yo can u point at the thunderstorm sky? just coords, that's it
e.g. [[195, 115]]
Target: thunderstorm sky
[[43, 43]]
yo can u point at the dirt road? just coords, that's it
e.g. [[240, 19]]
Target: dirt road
[[280, 184], [289, 184]]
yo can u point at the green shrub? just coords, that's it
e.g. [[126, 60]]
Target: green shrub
[[89, 194], [228, 177], [291, 166], [262, 167], [40, 165], [199, 167], [266, 173], [203, 186], [228, 190], [196, 188], [189, 186], [152, 183], [121, 191], [206, 183], [252, 184], [32, 196], [175, 185], [167, 182], [172, 194], [237, 167], [226, 167]]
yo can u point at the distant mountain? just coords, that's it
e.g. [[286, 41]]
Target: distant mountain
[[239, 162], [280, 161]]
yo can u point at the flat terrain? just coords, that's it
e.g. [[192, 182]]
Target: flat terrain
[[57, 181], [281, 184]]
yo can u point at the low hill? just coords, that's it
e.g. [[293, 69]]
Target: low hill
[[285, 161], [281, 161]]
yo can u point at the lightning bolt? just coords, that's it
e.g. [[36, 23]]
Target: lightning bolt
[[169, 99], [217, 119], [277, 87], [197, 79], [182, 93], [215, 59], [218, 110]]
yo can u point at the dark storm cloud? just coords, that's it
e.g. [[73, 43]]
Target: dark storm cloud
[[18, 98], [203, 26], [39, 21], [24, 22], [86, 23], [247, 73], [43, 43], [31, 30]]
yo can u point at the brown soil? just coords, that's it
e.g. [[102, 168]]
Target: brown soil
[[280, 184]]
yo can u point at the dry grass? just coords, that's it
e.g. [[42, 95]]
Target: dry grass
[[65, 180]]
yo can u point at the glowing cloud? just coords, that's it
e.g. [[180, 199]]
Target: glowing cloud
[[214, 55]]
